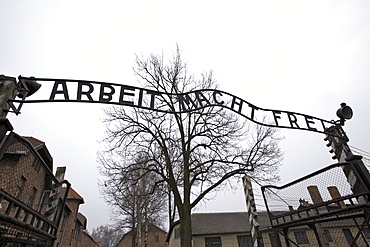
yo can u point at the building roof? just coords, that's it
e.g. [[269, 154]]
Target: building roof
[[221, 223], [35, 142], [41, 148], [151, 228], [72, 194], [25, 144], [213, 223]]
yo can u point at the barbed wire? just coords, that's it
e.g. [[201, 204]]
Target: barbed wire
[[363, 153]]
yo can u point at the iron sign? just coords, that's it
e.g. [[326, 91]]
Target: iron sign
[[110, 93]]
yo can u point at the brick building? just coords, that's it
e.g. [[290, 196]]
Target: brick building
[[28, 192], [151, 236], [232, 229], [73, 223], [24, 174], [217, 229], [72, 227], [88, 241]]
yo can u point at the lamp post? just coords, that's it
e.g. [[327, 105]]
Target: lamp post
[[8, 90]]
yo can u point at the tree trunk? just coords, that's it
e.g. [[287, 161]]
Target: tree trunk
[[133, 237], [185, 227], [138, 235], [185, 220], [146, 235]]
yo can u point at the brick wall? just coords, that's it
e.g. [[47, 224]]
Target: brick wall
[[87, 241], [23, 177], [72, 225]]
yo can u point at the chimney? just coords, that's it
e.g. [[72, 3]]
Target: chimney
[[315, 194], [334, 193]]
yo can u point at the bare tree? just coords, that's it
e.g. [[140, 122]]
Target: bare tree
[[193, 153], [108, 235], [132, 195]]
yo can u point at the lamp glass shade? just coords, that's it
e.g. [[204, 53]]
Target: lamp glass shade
[[345, 112], [32, 87]]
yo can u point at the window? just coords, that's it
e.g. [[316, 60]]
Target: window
[[157, 238], [350, 240], [20, 186], [328, 236], [301, 237], [245, 241], [213, 241]]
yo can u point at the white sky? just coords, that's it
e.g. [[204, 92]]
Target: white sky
[[300, 56]]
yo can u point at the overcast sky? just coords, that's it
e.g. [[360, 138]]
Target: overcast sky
[[300, 56]]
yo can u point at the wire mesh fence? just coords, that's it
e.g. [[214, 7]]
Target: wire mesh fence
[[345, 232], [30, 195], [312, 190], [327, 208]]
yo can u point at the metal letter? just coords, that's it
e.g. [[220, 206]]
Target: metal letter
[[215, 98], [56, 91], [292, 120], [276, 117], [87, 93], [123, 93], [253, 109], [109, 94], [153, 93], [186, 98], [237, 103], [309, 120], [200, 97]]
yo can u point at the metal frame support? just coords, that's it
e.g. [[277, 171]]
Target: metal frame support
[[343, 153], [8, 91], [5, 126]]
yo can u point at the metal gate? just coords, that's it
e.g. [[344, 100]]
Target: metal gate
[[329, 207]]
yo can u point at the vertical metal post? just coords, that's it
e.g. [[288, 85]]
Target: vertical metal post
[[277, 237], [319, 234], [251, 209]]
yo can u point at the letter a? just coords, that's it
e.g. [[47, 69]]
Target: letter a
[[55, 91]]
